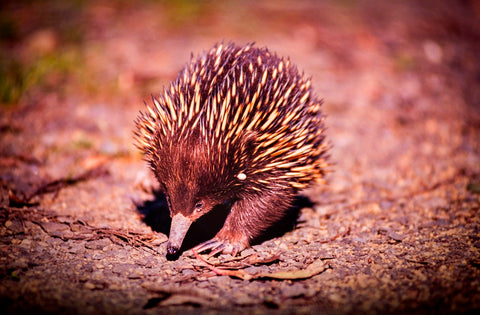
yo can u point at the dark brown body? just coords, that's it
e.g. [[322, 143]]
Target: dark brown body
[[239, 126]]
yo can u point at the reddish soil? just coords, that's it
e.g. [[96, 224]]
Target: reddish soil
[[395, 229]]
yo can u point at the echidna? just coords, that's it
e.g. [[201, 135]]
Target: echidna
[[239, 126]]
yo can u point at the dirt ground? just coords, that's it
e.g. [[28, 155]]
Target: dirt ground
[[395, 229]]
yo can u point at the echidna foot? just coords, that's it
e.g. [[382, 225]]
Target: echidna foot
[[212, 245], [216, 246]]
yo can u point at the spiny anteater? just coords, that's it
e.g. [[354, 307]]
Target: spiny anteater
[[239, 126]]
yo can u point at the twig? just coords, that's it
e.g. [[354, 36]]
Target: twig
[[310, 271], [58, 184]]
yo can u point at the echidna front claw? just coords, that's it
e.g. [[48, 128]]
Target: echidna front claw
[[217, 250], [216, 246], [213, 245]]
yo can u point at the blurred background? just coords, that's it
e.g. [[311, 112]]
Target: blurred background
[[125, 50]]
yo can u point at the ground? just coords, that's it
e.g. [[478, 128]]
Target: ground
[[396, 228]]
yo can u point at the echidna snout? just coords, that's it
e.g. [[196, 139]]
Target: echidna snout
[[178, 229]]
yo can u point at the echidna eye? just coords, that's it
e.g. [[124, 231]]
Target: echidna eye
[[199, 206]]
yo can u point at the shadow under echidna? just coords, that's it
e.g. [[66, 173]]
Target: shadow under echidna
[[231, 142], [156, 215]]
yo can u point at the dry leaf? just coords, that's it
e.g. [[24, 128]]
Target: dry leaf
[[313, 269]]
